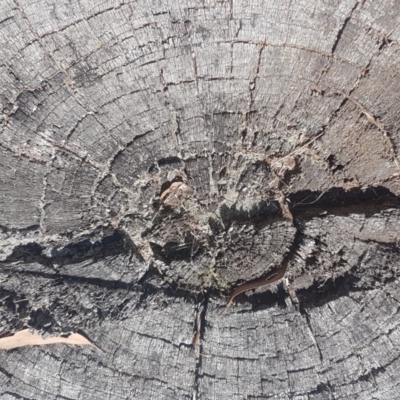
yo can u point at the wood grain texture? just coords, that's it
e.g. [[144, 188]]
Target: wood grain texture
[[283, 117]]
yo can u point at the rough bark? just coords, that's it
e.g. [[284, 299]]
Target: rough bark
[[154, 155]]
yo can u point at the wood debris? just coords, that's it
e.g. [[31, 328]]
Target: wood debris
[[176, 194], [28, 338]]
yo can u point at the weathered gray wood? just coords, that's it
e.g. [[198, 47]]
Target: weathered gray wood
[[282, 121]]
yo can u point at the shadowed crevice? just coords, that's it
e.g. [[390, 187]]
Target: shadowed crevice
[[339, 201]]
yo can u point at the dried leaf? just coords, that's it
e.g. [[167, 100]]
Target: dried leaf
[[176, 194], [27, 338]]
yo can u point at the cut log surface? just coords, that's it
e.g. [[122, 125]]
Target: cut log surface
[[155, 155]]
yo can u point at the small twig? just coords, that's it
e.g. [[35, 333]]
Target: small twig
[[158, 212], [300, 148], [312, 202], [19, 301]]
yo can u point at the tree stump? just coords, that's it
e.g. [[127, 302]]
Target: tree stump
[[157, 155]]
